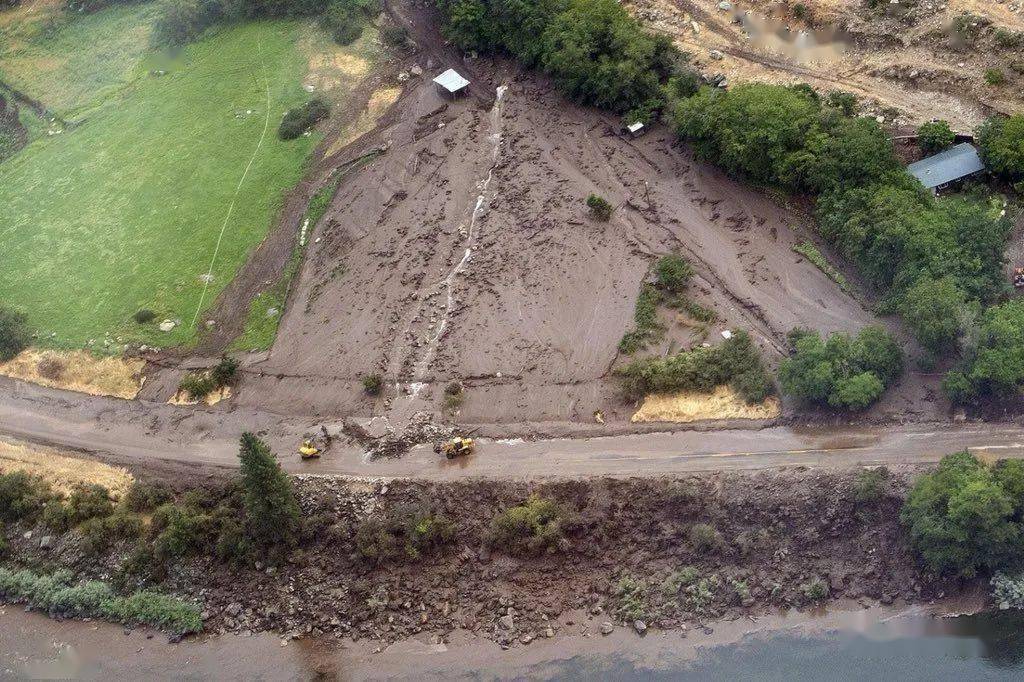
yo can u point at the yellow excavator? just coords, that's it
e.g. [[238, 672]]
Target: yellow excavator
[[457, 446]]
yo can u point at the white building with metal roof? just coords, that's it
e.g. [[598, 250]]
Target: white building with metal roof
[[452, 82], [945, 168]]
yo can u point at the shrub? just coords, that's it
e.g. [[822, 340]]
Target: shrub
[[23, 496], [845, 102], [960, 518], [99, 533], [179, 22], [800, 11], [271, 510], [735, 362], [870, 485], [705, 538], [197, 385], [815, 589], [224, 372], [631, 598], [395, 35], [345, 24], [373, 384], [89, 501], [599, 207], [995, 77], [1001, 143], [532, 528], [844, 372], [453, 395], [934, 136], [144, 497], [673, 272], [406, 534], [935, 309], [180, 531], [300, 119], [160, 611], [14, 334]]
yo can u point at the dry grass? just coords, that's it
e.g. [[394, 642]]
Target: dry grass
[[691, 407], [82, 372], [63, 472], [183, 398], [376, 107]]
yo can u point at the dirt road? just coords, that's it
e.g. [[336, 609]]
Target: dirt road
[[136, 432]]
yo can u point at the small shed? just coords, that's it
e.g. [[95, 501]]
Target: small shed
[[635, 129], [451, 82], [945, 168]]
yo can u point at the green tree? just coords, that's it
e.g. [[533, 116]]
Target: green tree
[[935, 310], [934, 136], [959, 518], [14, 334], [996, 367], [271, 510], [1009, 473], [857, 392], [1001, 143]]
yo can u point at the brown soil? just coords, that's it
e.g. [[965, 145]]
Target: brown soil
[[897, 58], [776, 532], [530, 319]]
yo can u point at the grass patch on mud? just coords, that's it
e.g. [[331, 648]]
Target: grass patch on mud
[[63, 473], [818, 260], [125, 210], [77, 370]]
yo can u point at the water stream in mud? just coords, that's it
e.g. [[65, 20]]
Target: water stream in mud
[[448, 283]]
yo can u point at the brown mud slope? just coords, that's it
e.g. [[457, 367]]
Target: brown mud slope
[[768, 536], [907, 56], [466, 253]]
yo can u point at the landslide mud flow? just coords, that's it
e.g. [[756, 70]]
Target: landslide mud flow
[[465, 252]]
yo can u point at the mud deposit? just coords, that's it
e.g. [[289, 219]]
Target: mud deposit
[[776, 531], [465, 252]]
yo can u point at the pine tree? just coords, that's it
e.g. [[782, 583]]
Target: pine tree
[[272, 512]]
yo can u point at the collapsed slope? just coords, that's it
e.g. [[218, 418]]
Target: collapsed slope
[[465, 252]]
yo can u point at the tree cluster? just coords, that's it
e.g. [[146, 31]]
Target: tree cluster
[[843, 371], [966, 517], [593, 49]]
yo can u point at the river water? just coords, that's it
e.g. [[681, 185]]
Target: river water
[[878, 644]]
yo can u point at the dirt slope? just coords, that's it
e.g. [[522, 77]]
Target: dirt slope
[[465, 253]]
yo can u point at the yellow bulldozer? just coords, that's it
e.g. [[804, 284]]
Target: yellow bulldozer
[[314, 445], [456, 446]]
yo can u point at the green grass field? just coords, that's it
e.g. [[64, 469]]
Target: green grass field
[[124, 210]]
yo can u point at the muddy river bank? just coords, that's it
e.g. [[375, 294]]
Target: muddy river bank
[[844, 643]]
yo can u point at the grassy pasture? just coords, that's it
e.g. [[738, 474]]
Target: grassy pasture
[[124, 210]]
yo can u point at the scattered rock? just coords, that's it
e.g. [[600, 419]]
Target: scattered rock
[[607, 628], [716, 54], [639, 626], [168, 325]]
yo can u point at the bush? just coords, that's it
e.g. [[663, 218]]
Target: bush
[[815, 589], [406, 534], [935, 309], [673, 272], [224, 372], [934, 136], [99, 533], [870, 485], [705, 538], [271, 510], [345, 24], [23, 496], [846, 102], [373, 384], [197, 385], [646, 328], [300, 119], [735, 362], [14, 334], [144, 497], [180, 531], [56, 594], [453, 395], [960, 519], [533, 528], [844, 372], [599, 207], [395, 35], [179, 22], [89, 501], [50, 367]]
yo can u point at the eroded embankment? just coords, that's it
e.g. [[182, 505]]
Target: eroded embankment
[[755, 542]]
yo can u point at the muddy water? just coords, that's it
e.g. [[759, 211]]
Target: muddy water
[[885, 643]]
